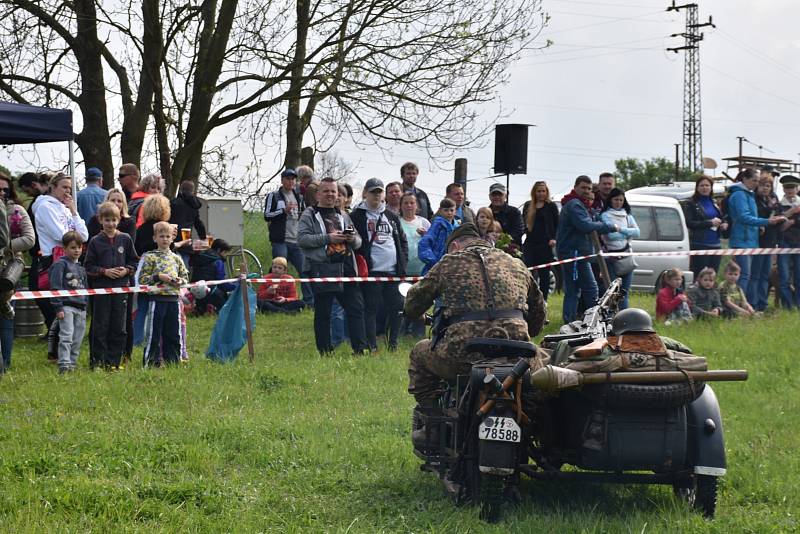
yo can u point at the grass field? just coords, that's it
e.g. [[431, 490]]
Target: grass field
[[297, 443]]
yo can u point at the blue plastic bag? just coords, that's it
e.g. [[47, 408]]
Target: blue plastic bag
[[230, 333]]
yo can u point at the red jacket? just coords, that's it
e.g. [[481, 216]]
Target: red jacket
[[270, 291], [666, 302]]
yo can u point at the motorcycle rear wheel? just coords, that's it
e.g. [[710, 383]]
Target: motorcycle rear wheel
[[701, 496], [491, 497]]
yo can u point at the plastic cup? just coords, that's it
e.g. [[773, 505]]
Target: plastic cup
[[186, 233]]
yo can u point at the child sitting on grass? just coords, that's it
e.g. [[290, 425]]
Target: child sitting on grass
[[67, 273], [704, 297], [279, 297], [671, 303], [432, 246], [162, 338], [733, 298]]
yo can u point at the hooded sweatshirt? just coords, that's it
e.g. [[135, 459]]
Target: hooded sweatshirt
[[379, 234], [53, 220], [618, 241], [185, 212], [744, 217], [383, 242]]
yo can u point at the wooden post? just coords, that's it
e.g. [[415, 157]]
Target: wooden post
[[601, 260], [460, 174], [246, 301]]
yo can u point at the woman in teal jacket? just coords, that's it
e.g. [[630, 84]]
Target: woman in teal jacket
[[744, 220]]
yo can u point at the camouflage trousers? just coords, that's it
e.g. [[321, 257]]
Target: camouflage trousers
[[428, 367]]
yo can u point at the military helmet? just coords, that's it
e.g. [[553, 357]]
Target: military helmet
[[631, 320]]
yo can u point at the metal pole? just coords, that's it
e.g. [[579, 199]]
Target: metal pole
[[677, 160], [72, 168], [601, 260], [246, 301], [508, 188]]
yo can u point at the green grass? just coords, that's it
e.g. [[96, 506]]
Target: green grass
[[297, 443]]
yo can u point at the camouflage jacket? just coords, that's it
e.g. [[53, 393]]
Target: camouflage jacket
[[458, 281]]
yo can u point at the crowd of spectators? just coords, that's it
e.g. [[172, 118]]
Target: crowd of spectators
[[99, 238]]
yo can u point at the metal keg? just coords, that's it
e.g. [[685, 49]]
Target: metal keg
[[28, 320]]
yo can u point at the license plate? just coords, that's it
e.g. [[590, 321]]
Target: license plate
[[500, 429]]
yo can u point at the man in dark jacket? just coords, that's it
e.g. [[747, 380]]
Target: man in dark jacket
[[282, 210], [384, 246], [185, 208], [409, 173], [509, 217], [575, 226]]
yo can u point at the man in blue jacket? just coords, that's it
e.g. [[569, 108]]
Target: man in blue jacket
[[575, 225], [745, 222]]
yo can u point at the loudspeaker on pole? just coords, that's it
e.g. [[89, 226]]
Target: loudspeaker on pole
[[511, 148]]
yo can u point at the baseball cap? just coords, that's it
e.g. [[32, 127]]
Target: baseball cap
[[289, 172], [94, 172], [373, 184], [497, 188]]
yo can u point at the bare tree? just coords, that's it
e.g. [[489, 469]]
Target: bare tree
[[372, 70], [332, 164]]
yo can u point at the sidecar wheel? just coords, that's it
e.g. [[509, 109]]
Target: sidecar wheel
[[652, 395], [491, 497], [701, 496]]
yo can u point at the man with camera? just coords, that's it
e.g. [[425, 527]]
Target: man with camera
[[328, 240]]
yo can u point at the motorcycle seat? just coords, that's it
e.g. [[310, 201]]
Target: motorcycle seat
[[493, 347]]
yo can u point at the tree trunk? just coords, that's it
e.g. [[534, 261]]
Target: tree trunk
[[153, 54], [211, 54], [295, 127], [94, 139]]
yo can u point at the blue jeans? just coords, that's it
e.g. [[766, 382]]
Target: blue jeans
[[294, 255], [6, 341], [789, 272], [758, 291], [579, 283], [338, 324], [627, 279], [745, 263]]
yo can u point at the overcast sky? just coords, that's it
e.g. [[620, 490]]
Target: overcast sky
[[607, 89]]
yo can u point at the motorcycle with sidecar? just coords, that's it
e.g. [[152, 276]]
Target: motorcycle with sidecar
[[512, 415]]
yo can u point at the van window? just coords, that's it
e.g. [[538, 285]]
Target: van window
[[644, 218], [669, 224]]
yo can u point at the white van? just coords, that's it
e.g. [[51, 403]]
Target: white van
[[662, 229]]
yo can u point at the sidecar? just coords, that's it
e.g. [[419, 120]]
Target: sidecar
[[486, 436]]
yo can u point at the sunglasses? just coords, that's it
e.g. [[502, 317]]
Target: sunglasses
[[5, 190], [121, 176]]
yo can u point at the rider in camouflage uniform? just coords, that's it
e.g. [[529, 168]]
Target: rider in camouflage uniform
[[514, 308]]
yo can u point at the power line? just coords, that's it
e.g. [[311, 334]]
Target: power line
[[751, 86], [760, 55], [604, 4], [611, 21], [590, 56]]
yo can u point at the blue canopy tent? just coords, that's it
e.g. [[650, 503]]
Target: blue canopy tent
[[21, 124]]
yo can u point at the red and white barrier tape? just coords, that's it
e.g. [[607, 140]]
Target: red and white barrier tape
[[48, 294], [19, 295]]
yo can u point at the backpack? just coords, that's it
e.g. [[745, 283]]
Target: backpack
[[723, 210], [133, 208]]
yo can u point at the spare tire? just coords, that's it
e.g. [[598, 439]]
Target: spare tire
[[646, 395]]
